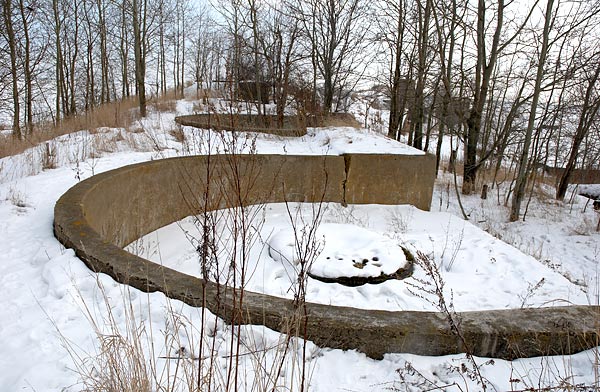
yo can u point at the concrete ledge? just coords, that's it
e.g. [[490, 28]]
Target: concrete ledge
[[292, 126], [100, 215]]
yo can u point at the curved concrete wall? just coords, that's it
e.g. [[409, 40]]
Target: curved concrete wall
[[292, 125], [100, 215]]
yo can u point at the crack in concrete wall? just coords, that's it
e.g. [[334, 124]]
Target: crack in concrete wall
[[345, 181]]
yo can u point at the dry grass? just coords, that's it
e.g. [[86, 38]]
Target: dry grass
[[486, 175], [49, 157], [119, 114], [166, 105], [114, 115], [17, 198], [202, 93], [166, 102], [177, 134], [339, 120]]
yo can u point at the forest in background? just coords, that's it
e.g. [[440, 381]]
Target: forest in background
[[515, 81]]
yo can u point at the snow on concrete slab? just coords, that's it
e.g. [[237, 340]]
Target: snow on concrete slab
[[317, 141], [342, 250], [590, 190]]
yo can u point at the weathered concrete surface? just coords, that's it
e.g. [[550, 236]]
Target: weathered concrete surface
[[292, 125], [396, 179], [100, 215], [578, 176]]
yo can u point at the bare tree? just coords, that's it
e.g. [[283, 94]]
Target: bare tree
[[180, 9], [335, 31], [283, 57], [66, 24], [71, 55], [201, 44], [519, 191], [448, 18], [486, 61], [7, 16], [399, 85], [104, 61], [161, 68], [422, 34], [588, 114], [58, 66], [89, 29], [275, 42], [123, 52], [139, 9], [483, 72], [27, 66], [236, 64]]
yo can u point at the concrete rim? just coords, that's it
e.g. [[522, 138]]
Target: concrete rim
[[503, 334]]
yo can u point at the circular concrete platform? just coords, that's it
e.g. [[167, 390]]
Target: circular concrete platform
[[99, 216]]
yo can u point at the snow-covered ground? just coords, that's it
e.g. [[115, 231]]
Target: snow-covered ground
[[52, 305], [592, 190], [473, 262]]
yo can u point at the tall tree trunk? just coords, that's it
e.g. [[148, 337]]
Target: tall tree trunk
[[90, 100], [423, 37], [177, 41], [104, 61], [59, 60], [397, 107], [27, 71], [140, 62], [522, 172], [162, 57], [183, 59], [589, 110], [445, 72], [123, 45], [482, 79], [10, 35], [183, 29], [255, 41], [73, 62], [89, 59]]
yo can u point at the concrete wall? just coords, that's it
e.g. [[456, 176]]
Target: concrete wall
[[389, 179], [100, 215], [579, 176], [293, 126]]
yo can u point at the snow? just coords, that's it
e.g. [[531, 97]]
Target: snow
[[342, 250], [58, 317], [473, 262], [592, 190], [321, 141]]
